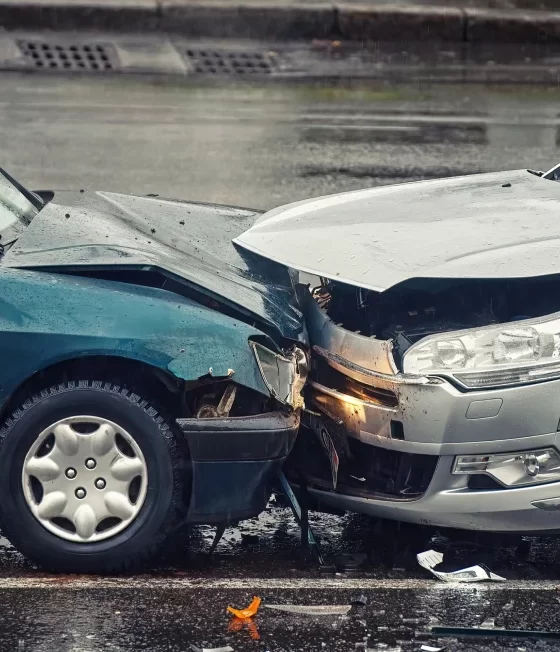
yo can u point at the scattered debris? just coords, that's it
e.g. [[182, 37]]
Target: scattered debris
[[508, 606], [249, 612], [226, 648], [312, 609], [431, 558], [300, 513], [359, 601], [479, 631], [249, 539], [153, 230], [349, 562], [220, 529]]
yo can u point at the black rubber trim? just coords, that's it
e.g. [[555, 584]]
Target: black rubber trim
[[261, 437]]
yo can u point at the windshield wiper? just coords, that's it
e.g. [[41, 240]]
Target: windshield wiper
[[31, 197]]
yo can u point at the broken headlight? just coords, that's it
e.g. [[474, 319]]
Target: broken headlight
[[513, 469], [284, 376], [494, 356]]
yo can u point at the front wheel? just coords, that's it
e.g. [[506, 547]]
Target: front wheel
[[90, 477]]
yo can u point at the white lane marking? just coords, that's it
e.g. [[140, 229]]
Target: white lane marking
[[56, 582]]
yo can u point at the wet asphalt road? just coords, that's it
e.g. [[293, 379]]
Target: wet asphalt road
[[261, 146], [158, 619]]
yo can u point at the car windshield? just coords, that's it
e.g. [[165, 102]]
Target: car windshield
[[18, 207]]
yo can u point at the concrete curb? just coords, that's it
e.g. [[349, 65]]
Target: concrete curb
[[127, 15], [391, 23], [99, 53], [286, 20], [519, 26], [257, 20]]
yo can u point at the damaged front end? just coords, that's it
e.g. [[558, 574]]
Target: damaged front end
[[434, 401], [238, 439], [432, 311]]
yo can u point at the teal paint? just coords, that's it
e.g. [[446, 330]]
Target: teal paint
[[47, 318]]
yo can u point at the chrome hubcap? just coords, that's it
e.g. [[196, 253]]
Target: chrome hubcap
[[85, 479]]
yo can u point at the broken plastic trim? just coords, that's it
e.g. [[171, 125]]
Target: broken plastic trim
[[300, 513], [249, 612], [283, 376], [430, 559]]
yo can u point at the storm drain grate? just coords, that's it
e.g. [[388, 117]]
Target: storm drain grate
[[216, 62], [90, 57]]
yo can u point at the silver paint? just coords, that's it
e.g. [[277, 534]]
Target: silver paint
[[83, 504], [462, 227]]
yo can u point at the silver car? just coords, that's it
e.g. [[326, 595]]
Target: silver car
[[433, 311]]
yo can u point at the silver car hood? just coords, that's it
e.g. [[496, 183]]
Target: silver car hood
[[498, 225]]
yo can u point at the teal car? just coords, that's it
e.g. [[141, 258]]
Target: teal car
[[151, 373]]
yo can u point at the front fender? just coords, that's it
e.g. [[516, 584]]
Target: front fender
[[48, 318]]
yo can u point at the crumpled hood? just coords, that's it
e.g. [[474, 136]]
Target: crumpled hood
[[463, 227], [190, 241]]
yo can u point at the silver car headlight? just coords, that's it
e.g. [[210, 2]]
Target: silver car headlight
[[513, 469], [493, 356]]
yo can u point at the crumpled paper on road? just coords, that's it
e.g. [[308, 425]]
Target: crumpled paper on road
[[431, 558]]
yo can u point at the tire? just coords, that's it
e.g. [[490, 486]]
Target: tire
[[159, 505]]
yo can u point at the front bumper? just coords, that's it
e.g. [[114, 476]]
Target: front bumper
[[429, 422], [234, 461], [447, 505]]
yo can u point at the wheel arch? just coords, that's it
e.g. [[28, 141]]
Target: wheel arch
[[154, 379]]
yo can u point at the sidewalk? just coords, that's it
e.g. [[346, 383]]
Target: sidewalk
[[456, 21]]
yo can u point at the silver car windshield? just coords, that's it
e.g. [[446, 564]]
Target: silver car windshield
[[17, 207]]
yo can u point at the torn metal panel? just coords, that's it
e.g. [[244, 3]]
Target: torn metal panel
[[462, 227], [190, 242], [219, 354], [366, 352]]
